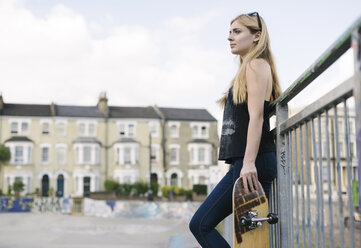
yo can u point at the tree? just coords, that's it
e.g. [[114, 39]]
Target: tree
[[4, 156], [18, 186]]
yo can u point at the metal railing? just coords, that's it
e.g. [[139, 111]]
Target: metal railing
[[317, 165]]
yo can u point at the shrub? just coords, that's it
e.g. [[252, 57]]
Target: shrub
[[179, 191], [9, 190], [200, 189], [165, 189], [111, 185], [140, 188], [189, 194], [155, 188], [18, 187]]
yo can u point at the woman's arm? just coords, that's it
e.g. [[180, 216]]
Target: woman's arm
[[256, 75]]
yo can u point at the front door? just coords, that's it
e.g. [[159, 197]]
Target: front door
[[45, 185], [60, 186]]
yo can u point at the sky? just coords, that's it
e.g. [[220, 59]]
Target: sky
[[168, 53]]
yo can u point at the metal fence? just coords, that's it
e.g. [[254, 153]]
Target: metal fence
[[319, 151]]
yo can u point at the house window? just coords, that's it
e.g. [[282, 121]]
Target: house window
[[173, 131], [173, 155], [61, 129], [60, 155], [86, 154], [121, 129], [45, 127], [91, 129], [174, 179], [127, 155], [45, 155], [352, 149], [202, 180], [24, 127], [19, 154], [81, 129], [201, 154], [200, 130], [131, 130], [203, 131], [155, 153], [195, 131], [126, 129], [14, 127]]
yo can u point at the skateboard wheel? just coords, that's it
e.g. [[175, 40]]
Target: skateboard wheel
[[245, 221], [273, 218]]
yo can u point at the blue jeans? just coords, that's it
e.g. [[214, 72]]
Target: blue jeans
[[218, 204]]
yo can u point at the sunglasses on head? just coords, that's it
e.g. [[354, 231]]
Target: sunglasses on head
[[258, 19]]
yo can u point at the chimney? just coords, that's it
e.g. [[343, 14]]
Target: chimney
[[52, 109], [1, 102], [103, 103]]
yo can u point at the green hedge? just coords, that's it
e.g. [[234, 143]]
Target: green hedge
[[200, 189], [129, 189]]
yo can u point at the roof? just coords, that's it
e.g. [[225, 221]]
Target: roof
[[149, 112], [132, 112], [26, 109], [187, 114], [18, 139], [87, 140], [78, 111], [126, 140]]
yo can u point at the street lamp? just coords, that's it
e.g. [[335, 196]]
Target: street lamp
[[150, 192]]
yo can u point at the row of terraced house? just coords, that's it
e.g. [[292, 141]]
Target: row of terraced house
[[74, 149]]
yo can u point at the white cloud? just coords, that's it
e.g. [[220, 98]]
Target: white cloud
[[60, 58]]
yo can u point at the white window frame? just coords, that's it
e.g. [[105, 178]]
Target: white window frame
[[199, 126], [61, 146], [156, 148], [207, 153], [42, 146], [20, 130], [94, 153], [126, 128], [177, 148], [87, 123], [27, 151], [42, 123], [61, 122], [119, 152], [177, 125]]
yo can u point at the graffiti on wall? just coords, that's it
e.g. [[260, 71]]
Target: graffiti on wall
[[12, 204], [52, 204]]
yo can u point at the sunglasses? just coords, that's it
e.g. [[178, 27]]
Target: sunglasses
[[259, 20]]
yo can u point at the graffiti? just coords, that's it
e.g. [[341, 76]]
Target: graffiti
[[12, 204], [283, 161]]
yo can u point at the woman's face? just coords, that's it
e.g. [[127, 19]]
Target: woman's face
[[241, 39]]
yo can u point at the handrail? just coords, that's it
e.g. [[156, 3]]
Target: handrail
[[336, 50]]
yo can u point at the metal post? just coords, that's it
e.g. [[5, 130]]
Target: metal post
[[283, 173], [150, 192], [356, 46]]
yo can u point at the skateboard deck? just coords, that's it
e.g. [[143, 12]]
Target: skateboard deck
[[243, 234]]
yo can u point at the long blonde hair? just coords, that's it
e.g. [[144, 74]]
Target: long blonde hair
[[261, 49]]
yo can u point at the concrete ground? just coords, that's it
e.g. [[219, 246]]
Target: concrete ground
[[33, 230]]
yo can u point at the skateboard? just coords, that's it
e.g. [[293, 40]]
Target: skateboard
[[250, 226]]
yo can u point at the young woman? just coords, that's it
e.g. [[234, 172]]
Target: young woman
[[246, 142]]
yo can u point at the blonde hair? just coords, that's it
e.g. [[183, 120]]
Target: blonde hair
[[261, 49]]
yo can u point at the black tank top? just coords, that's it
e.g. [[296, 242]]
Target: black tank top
[[235, 127]]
